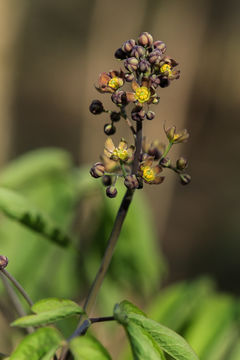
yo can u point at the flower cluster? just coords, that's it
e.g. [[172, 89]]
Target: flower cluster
[[147, 69]]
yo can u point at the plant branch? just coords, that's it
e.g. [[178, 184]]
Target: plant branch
[[17, 286]]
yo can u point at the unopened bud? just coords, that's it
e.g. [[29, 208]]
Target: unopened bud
[[185, 179], [164, 82], [160, 45], [145, 39], [119, 98], [96, 107], [170, 132], [131, 64], [131, 182], [115, 116], [144, 66], [156, 100], [128, 45], [155, 56], [181, 163], [111, 191], [150, 115], [107, 180], [138, 114], [155, 81], [129, 77], [109, 129], [137, 51], [165, 162], [97, 170], [120, 54], [3, 262]]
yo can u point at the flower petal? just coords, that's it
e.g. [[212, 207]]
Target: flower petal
[[122, 145], [134, 85], [104, 79], [130, 96], [109, 147]]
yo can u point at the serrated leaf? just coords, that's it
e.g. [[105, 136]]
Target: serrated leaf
[[88, 348], [48, 311], [166, 339], [36, 345], [22, 210]]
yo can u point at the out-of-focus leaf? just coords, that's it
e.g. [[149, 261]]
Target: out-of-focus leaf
[[235, 353], [49, 311], [36, 345], [20, 209], [28, 167], [210, 325], [88, 348], [175, 305], [162, 337]]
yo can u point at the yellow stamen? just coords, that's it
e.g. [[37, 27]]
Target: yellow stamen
[[115, 83], [142, 94], [121, 154], [148, 173], [166, 68]]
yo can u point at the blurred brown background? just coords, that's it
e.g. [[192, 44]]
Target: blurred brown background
[[51, 55]]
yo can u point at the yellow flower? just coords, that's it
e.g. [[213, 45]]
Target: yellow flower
[[141, 94], [121, 153], [175, 137], [110, 82], [149, 172]]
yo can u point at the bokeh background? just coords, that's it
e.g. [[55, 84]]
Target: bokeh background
[[51, 53]]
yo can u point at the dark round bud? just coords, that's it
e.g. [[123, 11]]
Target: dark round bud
[[111, 191], [165, 162], [115, 116], [107, 180], [97, 170], [155, 152], [129, 77], [131, 182], [160, 45], [96, 107], [181, 163], [131, 64], [120, 54], [150, 115], [185, 179], [137, 51], [138, 114], [145, 39], [3, 262], [128, 45], [164, 82], [144, 66], [119, 98], [109, 129], [155, 56]]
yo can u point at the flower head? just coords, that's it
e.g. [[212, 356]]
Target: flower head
[[121, 153], [141, 93], [110, 82], [175, 137], [149, 172]]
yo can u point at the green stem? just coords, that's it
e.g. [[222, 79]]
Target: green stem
[[123, 169], [170, 144]]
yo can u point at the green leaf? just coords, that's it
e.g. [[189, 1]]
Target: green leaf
[[22, 210], [88, 348], [37, 344], [166, 339], [49, 311]]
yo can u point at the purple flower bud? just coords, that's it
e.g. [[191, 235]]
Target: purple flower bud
[[96, 107], [155, 56], [145, 39], [109, 129], [160, 45], [131, 64], [111, 191], [137, 51], [97, 170], [155, 81], [3, 262], [150, 115], [165, 162], [181, 163], [138, 114], [131, 182], [129, 77], [144, 66], [120, 54], [128, 45], [119, 98], [107, 180]]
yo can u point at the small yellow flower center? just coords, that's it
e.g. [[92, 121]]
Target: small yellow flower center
[[148, 173], [166, 68], [176, 137], [121, 154], [142, 94], [115, 83]]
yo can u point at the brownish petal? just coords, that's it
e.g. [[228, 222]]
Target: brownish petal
[[148, 161], [157, 169], [104, 79], [145, 82], [134, 85], [157, 180], [109, 165], [109, 147], [130, 96], [122, 145]]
